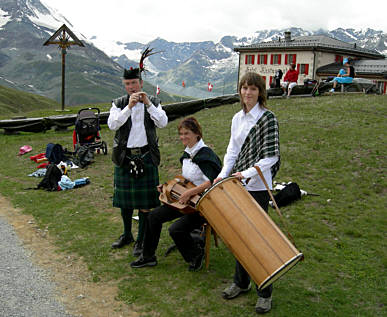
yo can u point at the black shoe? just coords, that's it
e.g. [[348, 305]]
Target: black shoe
[[197, 263], [143, 262], [137, 249], [122, 241]]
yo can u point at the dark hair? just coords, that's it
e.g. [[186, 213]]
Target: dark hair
[[253, 79], [293, 66], [192, 124]]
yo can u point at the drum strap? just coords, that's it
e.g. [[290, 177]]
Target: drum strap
[[284, 223]]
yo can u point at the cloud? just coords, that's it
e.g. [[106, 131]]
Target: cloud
[[201, 20]]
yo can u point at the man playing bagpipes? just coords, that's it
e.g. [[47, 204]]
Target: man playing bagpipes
[[200, 166], [136, 154]]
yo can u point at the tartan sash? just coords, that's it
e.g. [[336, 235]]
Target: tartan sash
[[261, 142]]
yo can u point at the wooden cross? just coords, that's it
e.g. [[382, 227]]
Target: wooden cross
[[63, 37]]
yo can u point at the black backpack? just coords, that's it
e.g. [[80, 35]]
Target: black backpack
[[55, 153], [291, 192], [51, 179], [84, 155]]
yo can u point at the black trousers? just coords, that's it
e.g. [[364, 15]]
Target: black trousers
[[241, 277], [179, 231]]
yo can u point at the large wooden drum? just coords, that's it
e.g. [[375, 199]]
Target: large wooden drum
[[247, 230]]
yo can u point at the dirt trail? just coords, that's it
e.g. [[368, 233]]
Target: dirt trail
[[71, 277]]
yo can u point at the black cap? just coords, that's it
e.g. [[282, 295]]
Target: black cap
[[132, 73]]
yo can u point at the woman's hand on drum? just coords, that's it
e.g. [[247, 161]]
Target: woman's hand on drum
[[217, 180], [238, 175]]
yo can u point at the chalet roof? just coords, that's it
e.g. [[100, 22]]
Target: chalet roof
[[367, 68], [317, 42]]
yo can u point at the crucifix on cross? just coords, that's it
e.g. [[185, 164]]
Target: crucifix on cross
[[64, 38]]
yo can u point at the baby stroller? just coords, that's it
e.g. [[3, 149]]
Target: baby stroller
[[87, 131]]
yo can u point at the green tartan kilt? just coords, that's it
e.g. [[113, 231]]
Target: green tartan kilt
[[136, 193]]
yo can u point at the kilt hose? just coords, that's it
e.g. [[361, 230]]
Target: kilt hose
[[136, 193]]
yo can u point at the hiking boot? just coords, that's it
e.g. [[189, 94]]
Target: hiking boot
[[197, 263], [137, 249], [234, 290], [143, 262], [263, 305], [122, 241]]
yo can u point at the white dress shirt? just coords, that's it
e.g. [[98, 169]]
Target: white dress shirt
[[190, 170], [137, 136], [240, 127]]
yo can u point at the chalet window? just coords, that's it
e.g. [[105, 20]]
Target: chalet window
[[249, 59], [275, 59], [290, 59], [303, 69], [262, 59], [338, 58]]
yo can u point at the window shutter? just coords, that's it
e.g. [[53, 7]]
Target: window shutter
[[252, 59], [306, 69], [279, 59], [294, 58], [271, 80], [286, 59], [258, 59], [264, 78], [271, 59], [265, 57], [298, 67], [246, 59]]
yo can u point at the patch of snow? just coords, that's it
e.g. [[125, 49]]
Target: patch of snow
[[114, 48], [31, 86], [13, 49], [51, 20], [49, 56], [4, 18]]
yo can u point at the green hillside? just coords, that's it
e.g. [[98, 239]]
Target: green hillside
[[15, 102], [333, 146]]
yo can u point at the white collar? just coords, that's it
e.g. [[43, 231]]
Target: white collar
[[255, 112], [193, 150]]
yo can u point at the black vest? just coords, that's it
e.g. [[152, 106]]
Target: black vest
[[122, 134]]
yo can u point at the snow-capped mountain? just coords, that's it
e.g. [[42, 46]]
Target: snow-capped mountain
[[197, 63], [93, 73]]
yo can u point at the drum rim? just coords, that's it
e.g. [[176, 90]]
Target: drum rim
[[212, 187], [275, 275]]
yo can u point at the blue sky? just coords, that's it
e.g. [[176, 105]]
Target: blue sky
[[200, 20]]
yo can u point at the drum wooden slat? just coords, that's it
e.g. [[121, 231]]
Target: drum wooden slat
[[250, 234], [268, 229]]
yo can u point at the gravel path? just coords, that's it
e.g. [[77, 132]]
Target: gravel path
[[25, 289]]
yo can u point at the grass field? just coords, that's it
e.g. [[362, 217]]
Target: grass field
[[333, 146]]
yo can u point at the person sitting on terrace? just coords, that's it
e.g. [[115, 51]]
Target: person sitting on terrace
[[345, 76], [290, 80]]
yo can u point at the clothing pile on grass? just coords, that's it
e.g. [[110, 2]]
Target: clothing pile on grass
[[54, 165]]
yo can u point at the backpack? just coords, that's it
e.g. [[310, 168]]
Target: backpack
[[291, 192], [51, 178], [55, 153], [83, 156]]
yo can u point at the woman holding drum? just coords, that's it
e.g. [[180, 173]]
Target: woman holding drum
[[254, 141], [200, 166]]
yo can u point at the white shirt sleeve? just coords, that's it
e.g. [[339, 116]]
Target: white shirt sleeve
[[118, 117], [158, 115], [263, 164], [230, 156]]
